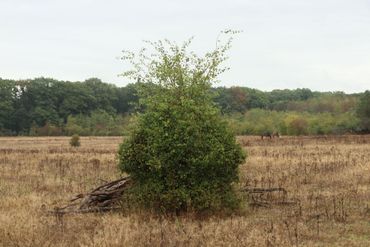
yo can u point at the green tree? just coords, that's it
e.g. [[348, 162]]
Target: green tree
[[127, 98], [363, 111], [105, 96], [6, 103], [181, 155], [77, 99]]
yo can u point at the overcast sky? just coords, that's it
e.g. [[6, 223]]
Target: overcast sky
[[318, 44]]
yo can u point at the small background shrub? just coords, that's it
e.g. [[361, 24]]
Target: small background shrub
[[75, 141]]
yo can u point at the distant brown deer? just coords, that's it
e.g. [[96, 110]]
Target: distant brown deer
[[275, 134], [270, 134]]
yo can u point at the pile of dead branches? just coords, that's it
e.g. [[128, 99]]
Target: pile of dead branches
[[103, 198], [107, 197]]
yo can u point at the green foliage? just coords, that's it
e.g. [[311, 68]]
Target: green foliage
[[241, 99], [45, 106], [99, 123], [181, 154], [6, 103], [257, 121], [75, 141], [297, 126], [363, 112], [32, 106], [326, 102]]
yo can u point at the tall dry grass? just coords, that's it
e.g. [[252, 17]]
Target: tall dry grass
[[327, 203]]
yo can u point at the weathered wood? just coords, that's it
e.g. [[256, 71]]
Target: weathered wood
[[261, 197], [263, 190], [105, 197]]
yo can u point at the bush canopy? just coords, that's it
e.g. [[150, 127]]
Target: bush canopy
[[181, 154]]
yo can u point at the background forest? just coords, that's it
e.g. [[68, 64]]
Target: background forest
[[48, 107]]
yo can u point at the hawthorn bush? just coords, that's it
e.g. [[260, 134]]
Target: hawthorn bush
[[181, 154]]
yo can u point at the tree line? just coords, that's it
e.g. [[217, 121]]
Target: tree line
[[44, 106]]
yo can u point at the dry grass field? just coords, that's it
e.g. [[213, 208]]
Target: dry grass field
[[327, 199]]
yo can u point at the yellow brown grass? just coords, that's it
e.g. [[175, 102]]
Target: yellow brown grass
[[327, 178]]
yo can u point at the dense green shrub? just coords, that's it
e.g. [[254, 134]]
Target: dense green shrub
[[75, 141], [181, 155]]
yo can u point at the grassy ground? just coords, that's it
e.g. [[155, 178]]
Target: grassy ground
[[327, 201]]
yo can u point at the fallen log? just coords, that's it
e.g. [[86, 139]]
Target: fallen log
[[262, 197], [263, 190], [103, 198]]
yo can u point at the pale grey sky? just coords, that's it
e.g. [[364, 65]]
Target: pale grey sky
[[318, 44]]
